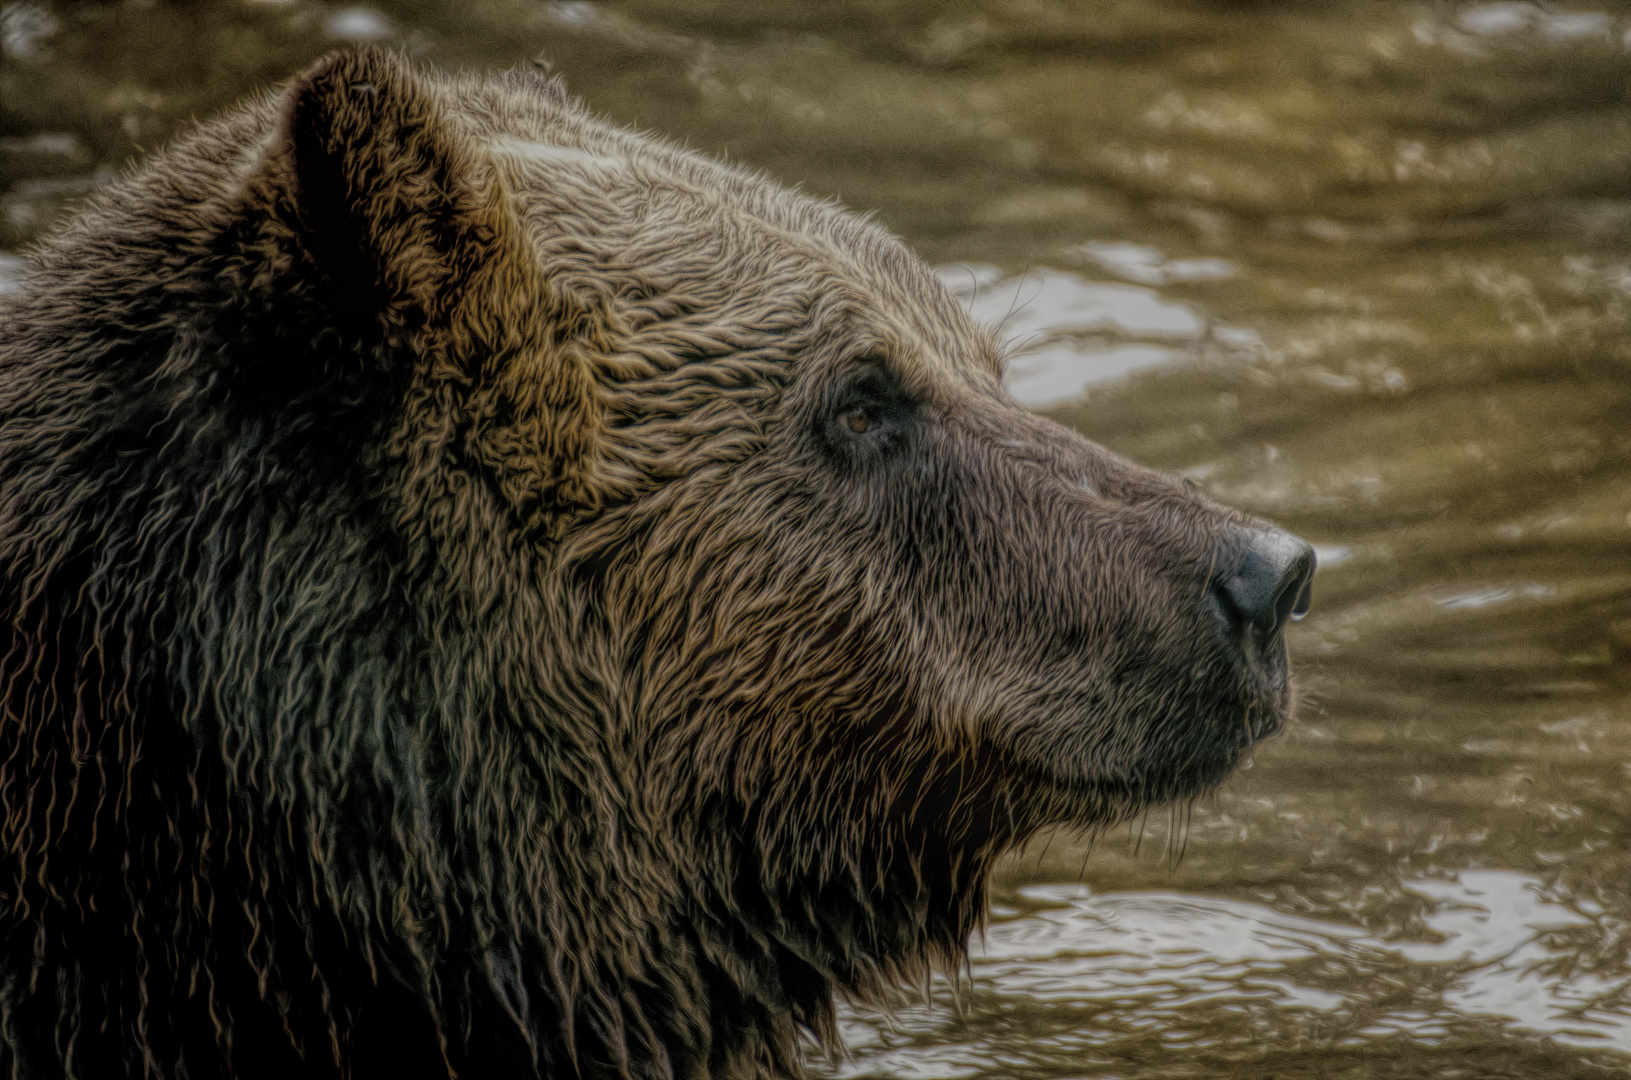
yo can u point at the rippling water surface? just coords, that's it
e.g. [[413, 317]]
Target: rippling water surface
[[1364, 268]]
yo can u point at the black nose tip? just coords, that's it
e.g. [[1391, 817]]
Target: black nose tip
[[1264, 578]]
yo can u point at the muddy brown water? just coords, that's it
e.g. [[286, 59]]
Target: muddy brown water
[[1364, 268]]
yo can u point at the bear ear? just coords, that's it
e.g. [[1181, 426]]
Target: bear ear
[[410, 228], [387, 199]]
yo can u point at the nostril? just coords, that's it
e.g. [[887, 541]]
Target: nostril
[[1270, 580], [1305, 598]]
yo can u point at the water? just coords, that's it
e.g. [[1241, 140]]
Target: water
[[1148, 976], [1364, 268]]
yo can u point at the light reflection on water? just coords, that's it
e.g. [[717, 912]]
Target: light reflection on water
[[1063, 332]]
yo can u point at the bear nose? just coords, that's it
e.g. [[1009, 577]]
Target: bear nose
[[1269, 578]]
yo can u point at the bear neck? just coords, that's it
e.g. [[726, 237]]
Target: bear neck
[[844, 882]]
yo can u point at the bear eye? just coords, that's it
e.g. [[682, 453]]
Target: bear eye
[[870, 414]]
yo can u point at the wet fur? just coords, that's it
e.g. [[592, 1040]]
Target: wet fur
[[448, 631]]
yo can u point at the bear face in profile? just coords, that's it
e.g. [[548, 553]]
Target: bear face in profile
[[489, 593]]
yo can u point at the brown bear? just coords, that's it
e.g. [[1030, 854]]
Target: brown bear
[[487, 593]]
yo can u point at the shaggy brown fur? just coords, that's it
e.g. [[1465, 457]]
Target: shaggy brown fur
[[489, 593]]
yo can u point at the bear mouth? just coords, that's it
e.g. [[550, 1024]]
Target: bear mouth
[[1161, 747], [1248, 697]]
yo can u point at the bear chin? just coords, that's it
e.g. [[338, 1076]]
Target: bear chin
[[487, 592]]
